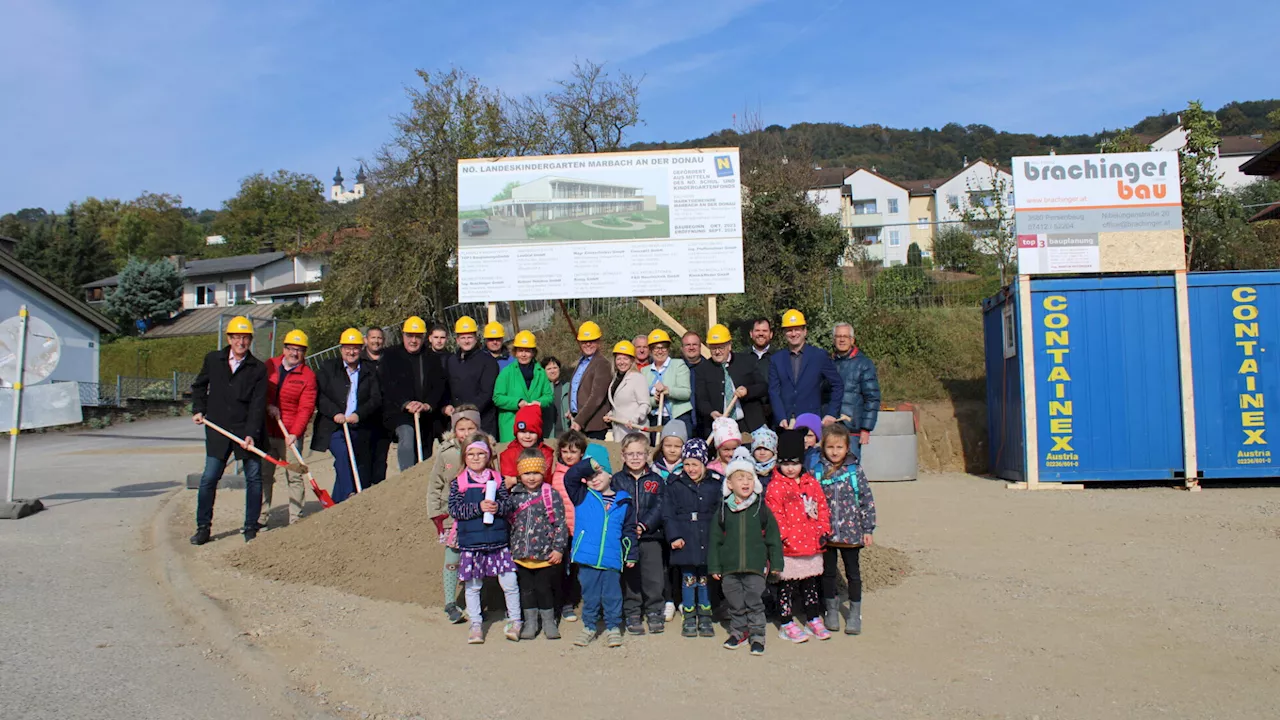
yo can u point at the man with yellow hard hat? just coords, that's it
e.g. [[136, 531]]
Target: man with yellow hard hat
[[589, 384], [730, 374], [231, 390], [668, 378], [472, 373], [291, 400], [798, 374], [348, 392], [375, 344], [413, 383], [495, 336]]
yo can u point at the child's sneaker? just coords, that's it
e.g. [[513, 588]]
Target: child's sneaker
[[690, 626], [585, 637], [476, 637], [635, 626], [614, 638], [817, 629], [656, 624], [568, 614], [706, 628], [456, 616], [669, 612], [512, 630], [757, 648], [793, 632], [735, 641]]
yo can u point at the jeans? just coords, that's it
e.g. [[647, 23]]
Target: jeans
[[213, 469], [601, 595], [693, 590], [643, 583], [406, 453], [379, 444], [743, 593]]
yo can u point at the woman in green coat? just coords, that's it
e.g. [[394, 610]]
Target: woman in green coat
[[520, 383]]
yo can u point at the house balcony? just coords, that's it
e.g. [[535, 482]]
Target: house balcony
[[865, 220]]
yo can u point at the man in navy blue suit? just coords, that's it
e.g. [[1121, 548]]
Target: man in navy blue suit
[[797, 374]]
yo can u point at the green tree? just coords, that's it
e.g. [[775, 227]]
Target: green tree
[[1206, 214], [954, 249], [280, 212], [987, 215], [505, 193], [147, 290], [915, 258], [153, 226], [1123, 141]]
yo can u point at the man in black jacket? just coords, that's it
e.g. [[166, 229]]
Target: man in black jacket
[[375, 343], [738, 374], [472, 373], [231, 390], [413, 383], [347, 393]]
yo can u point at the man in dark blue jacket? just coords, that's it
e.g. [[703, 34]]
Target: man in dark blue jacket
[[861, 403], [797, 374]]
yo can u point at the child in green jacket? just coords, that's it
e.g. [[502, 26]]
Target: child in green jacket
[[745, 549]]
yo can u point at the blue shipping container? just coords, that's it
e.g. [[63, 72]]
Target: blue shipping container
[[1107, 381], [1235, 321]]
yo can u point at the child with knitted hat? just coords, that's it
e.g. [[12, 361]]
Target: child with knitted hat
[[726, 437], [745, 549], [691, 499], [800, 506], [445, 465], [764, 452], [528, 428], [539, 537], [480, 505]]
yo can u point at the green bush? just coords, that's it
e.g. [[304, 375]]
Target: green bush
[[611, 221], [955, 249], [153, 357], [639, 216], [538, 231], [903, 284], [914, 257]]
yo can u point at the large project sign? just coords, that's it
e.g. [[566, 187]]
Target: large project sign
[[622, 224], [1115, 212]]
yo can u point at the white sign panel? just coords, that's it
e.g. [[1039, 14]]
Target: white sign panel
[[1115, 212], [42, 406], [601, 225]]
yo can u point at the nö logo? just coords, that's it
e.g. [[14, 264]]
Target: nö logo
[[724, 166]]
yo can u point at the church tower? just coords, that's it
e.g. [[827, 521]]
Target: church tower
[[337, 191]]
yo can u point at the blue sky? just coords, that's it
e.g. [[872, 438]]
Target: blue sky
[[110, 99]]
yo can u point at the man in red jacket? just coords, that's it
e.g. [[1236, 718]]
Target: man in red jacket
[[291, 399]]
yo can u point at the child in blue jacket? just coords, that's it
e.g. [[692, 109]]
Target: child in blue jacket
[[604, 541]]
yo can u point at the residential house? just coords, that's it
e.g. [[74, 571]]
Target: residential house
[[272, 277], [878, 216], [79, 327], [1265, 164], [1233, 152], [922, 208]]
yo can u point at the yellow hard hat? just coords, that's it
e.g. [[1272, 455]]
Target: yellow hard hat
[[792, 318], [239, 325], [624, 347], [351, 336], [525, 339], [588, 331], [414, 324], [494, 331], [718, 334], [659, 336], [296, 337], [465, 324]]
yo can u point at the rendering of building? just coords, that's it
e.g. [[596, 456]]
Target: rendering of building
[[554, 198]]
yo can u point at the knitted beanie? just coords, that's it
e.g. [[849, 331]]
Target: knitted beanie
[[743, 462], [529, 419], [695, 449], [675, 429], [723, 430], [763, 437], [810, 421]]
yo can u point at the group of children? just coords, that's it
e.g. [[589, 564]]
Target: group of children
[[768, 525]]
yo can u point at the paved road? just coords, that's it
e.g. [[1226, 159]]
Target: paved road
[[84, 631]]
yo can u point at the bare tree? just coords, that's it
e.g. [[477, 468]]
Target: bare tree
[[592, 110]]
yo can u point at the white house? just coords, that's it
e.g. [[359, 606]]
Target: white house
[[877, 216], [261, 278], [968, 188], [1233, 151]]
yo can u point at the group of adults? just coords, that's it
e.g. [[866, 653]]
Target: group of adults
[[371, 394]]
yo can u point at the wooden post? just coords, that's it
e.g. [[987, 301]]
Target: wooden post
[[711, 312], [665, 317], [1030, 424], [493, 312], [515, 318], [1189, 451], [564, 309]]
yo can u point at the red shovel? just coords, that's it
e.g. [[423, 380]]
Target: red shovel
[[301, 468], [321, 494]]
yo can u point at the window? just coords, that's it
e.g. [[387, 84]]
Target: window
[[894, 238], [237, 293], [893, 206], [922, 223], [206, 295], [864, 207], [953, 201]]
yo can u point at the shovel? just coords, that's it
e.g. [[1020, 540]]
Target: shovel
[[417, 437], [298, 468], [351, 455], [321, 494]]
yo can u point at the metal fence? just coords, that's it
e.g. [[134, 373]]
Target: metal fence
[[175, 387]]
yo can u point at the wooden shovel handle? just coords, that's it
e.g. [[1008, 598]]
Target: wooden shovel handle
[[240, 441]]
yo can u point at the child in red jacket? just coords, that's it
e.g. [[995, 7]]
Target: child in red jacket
[[528, 427], [799, 504]]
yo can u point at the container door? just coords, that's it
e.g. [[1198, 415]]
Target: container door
[[1107, 388], [1235, 328]]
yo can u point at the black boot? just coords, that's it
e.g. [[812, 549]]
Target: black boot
[[706, 628], [250, 533], [690, 627], [202, 536]]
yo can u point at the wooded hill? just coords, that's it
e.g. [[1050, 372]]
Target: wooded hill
[[928, 152]]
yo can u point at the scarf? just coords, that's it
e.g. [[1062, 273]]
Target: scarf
[[766, 467], [736, 505], [729, 390]]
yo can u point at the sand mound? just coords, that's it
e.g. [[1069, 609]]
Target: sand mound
[[381, 544]]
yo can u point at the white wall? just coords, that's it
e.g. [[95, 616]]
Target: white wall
[[221, 285], [894, 216], [976, 177], [827, 200], [1228, 168], [273, 274], [307, 268], [79, 337]]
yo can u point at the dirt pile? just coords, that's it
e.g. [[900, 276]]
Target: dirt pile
[[381, 544]]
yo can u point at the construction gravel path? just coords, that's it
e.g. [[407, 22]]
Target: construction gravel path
[[87, 630]]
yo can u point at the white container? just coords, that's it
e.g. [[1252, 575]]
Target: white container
[[891, 454]]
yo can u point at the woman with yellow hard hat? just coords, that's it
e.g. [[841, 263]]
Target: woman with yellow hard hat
[[668, 377], [628, 392], [523, 382]]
